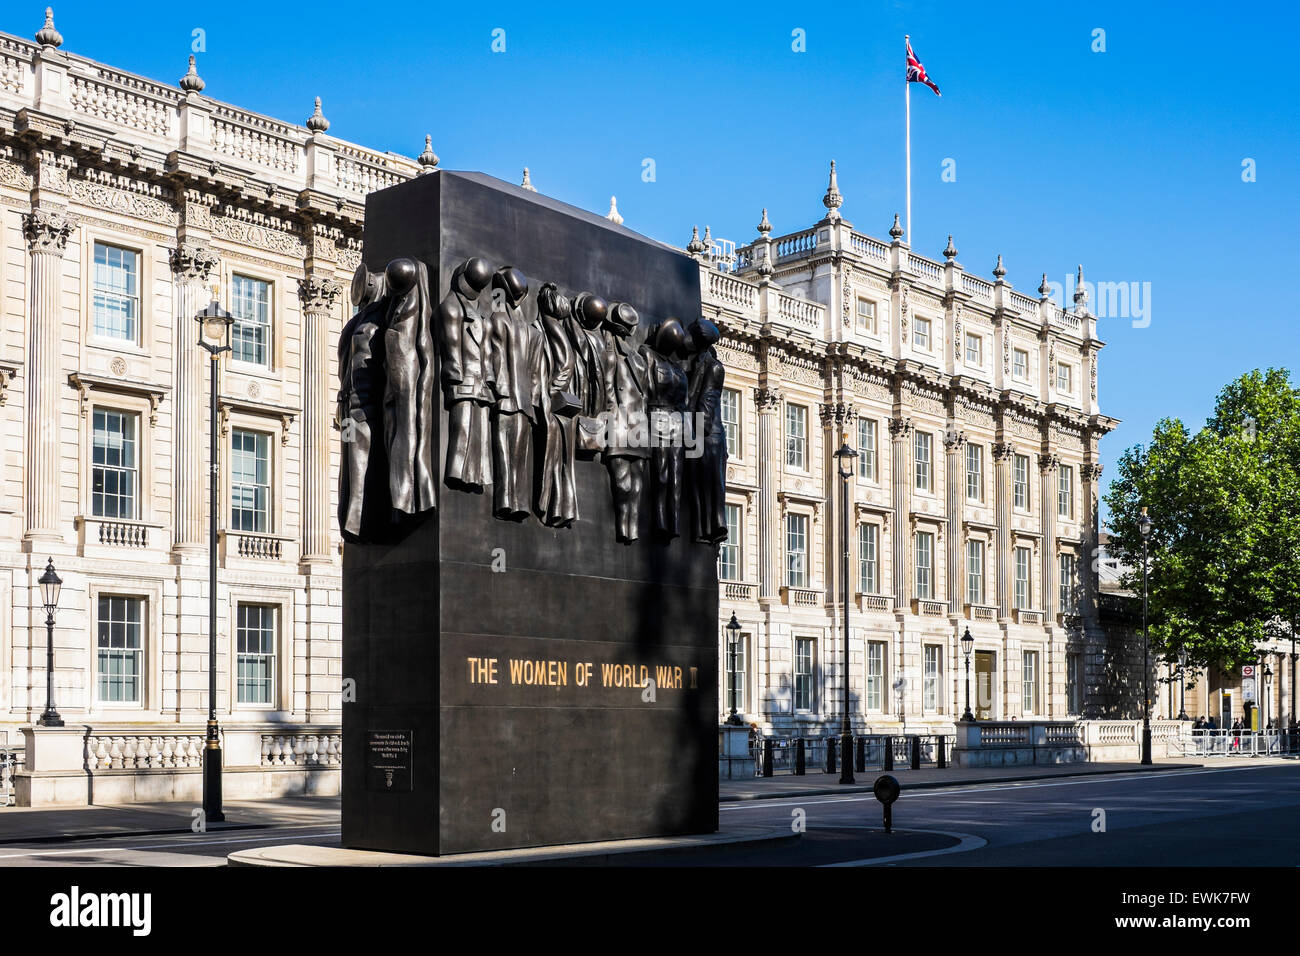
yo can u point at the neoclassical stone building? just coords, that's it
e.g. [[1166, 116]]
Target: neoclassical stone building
[[128, 206], [973, 502]]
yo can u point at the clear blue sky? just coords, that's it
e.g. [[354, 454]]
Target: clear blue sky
[[1128, 161]]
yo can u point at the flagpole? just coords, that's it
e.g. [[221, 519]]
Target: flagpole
[[907, 100]]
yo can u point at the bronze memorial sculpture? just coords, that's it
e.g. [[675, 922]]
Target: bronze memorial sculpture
[[466, 372], [494, 638]]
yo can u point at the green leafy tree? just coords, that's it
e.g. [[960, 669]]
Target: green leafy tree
[[1224, 504]]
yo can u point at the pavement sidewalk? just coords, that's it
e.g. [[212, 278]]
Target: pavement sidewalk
[[58, 824], [23, 825], [818, 783]]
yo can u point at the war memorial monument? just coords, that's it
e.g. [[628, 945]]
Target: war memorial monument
[[531, 497]]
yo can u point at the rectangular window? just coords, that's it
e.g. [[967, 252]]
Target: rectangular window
[[974, 350], [1065, 491], [932, 677], [1065, 378], [250, 481], [729, 408], [116, 293], [921, 334], [1023, 595], [924, 565], [796, 551], [1066, 568], [250, 336], [796, 436], [255, 653], [736, 652], [866, 316], [875, 675], [1020, 482], [1074, 682], [975, 472], [868, 550], [1020, 364], [115, 465], [974, 572], [1029, 692], [803, 674], [923, 445], [120, 659], [867, 448], [729, 551]]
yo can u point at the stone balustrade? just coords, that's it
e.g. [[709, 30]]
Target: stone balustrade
[[990, 743], [127, 763]]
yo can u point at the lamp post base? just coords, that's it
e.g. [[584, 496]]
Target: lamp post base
[[212, 811], [50, 718], [1146, 746], [846, 758]]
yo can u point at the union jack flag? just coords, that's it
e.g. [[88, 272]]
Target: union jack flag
[[916, 72]]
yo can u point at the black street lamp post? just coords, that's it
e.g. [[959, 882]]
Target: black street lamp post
[[214, 328], [845, 458], [967, 645], [50, 584], [733, 638], [1144, 525], [1182, 682]]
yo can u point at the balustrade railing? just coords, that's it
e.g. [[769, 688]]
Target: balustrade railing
[[728, 290], [797, 244], [871, 248], [302, 750], [804, 313], [145, 751]]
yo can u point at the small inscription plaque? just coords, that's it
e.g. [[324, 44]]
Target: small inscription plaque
[[388, 760]]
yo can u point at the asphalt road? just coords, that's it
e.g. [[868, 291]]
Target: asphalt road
[[1213, 817], [1208, 817]]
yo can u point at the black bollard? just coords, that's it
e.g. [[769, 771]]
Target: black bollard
[[862, 753], [830, 754], [886, 790], [940, 752], [767, 757], [799, 765], [916, 752], [889, 753]]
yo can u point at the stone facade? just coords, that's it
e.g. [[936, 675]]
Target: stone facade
[[825, 328], [127, 207], [974, 400]]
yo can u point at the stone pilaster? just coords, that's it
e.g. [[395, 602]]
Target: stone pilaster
[[1089, 479], [318, 295], [192, 265], [1002, 454], [1047, 469], [768, 400], [954, 444], [47, 233], [900, 434]]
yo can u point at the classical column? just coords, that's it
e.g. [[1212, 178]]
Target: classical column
[[318, 294], [954, 443], [835, 418], [900, 433], [1002, 454], [192, 265], [47, 232], [1047, 469], [769, 552], [1090, 478]]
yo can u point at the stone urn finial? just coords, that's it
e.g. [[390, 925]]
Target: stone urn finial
[[317, 122], [191, 82], [48, 35]]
